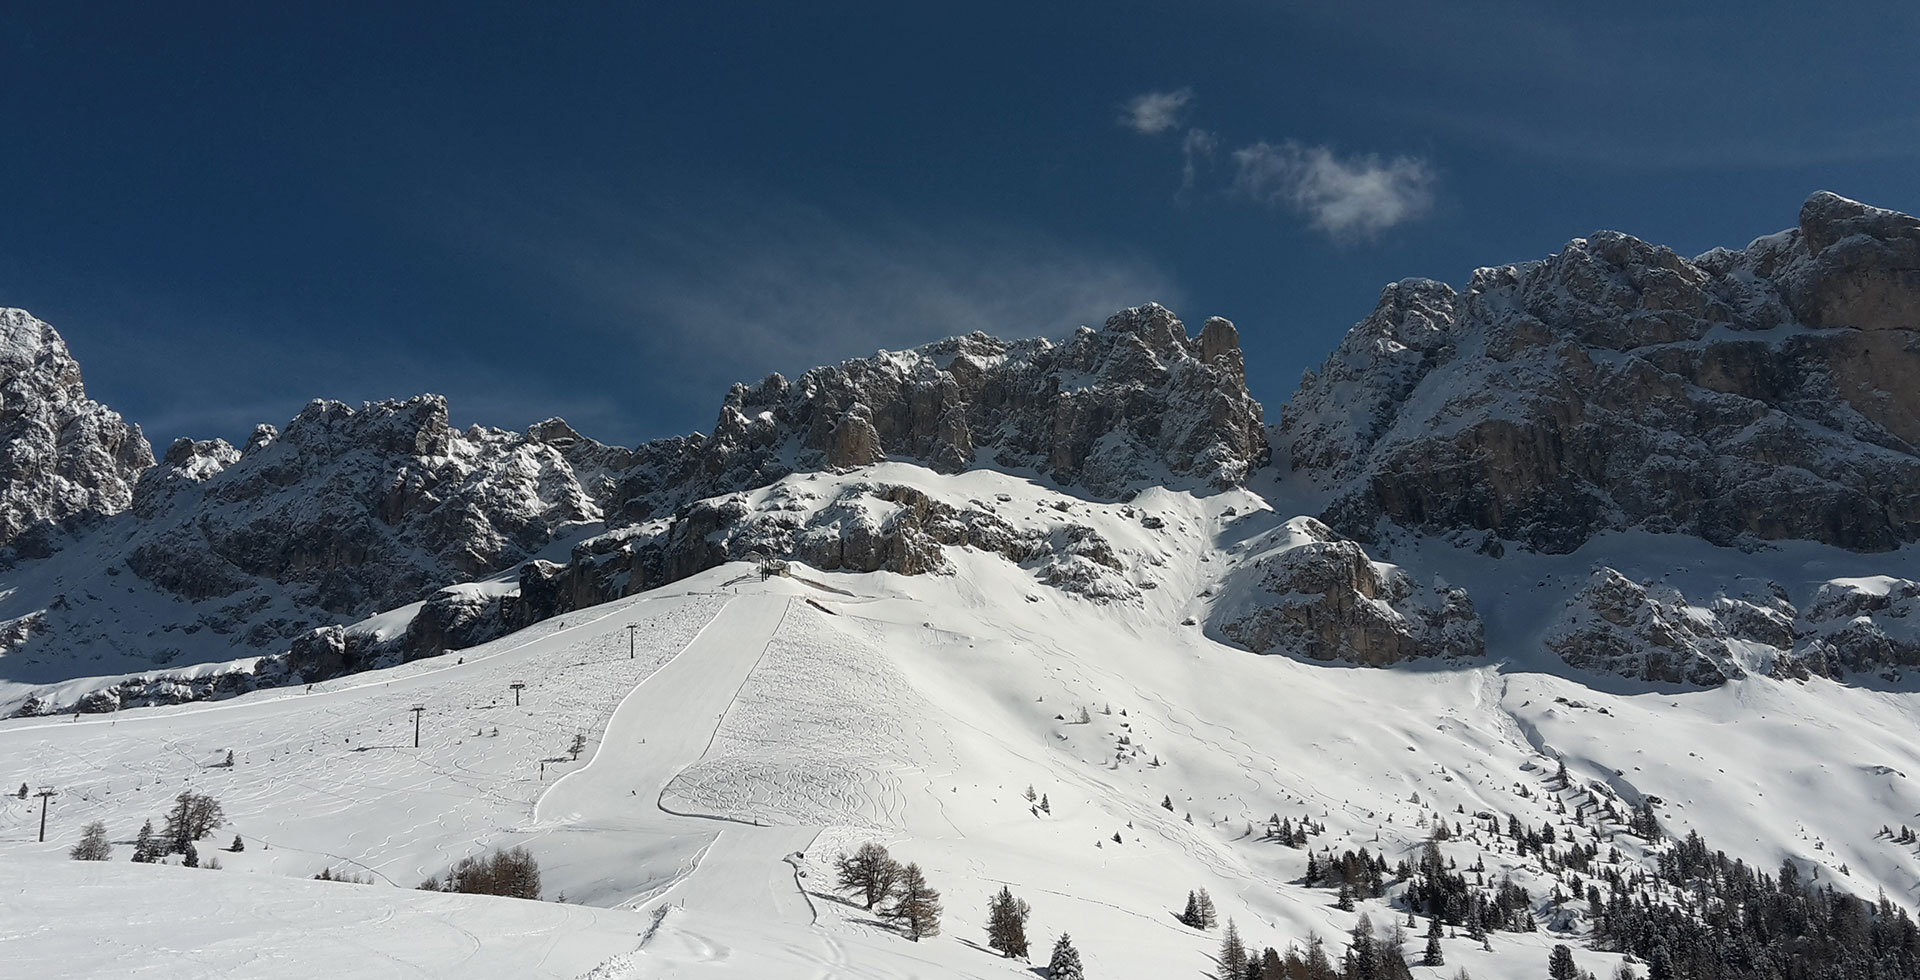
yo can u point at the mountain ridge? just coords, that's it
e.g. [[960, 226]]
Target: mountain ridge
[[1612, 386]]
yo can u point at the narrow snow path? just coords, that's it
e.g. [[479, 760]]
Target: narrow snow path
[[602, 829]]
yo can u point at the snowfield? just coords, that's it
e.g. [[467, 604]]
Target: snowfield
[[765, 725]]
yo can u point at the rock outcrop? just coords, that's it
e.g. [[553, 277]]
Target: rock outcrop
[[1653, 632], [353, 511], [1617, 626], [61, 453], [1743, 396], [1315, 595], [1136, 402], [860, 527]]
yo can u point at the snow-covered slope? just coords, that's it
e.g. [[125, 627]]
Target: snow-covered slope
[[763, 717], [1034, 616]]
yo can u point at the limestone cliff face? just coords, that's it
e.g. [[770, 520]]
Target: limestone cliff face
[[1743, 396], [1316, 595], [61, 453], [1138, 402]]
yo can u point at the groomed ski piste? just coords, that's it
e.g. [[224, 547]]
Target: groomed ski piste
[[747, 729]]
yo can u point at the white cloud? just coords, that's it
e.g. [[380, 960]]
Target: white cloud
[[1348, 198], [1156, 112], [1198, 145]]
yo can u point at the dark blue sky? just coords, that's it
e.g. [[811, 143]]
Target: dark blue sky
[[611, 211]]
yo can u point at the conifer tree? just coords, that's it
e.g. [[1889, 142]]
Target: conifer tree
[[189, 856], [1434, 955], [1191, 915], [1363, 953], [916, 905], [1166, 803], [1007, 924], [238, 844], [1065, 962], [143, 844], [1207, 915], [93, 844], [1560, 965], [1233, 952]]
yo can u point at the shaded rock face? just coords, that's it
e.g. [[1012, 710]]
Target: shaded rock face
[[1862, 626], [1652, 632], [61, 453], [1319, 596], [1137, 401], [1743, 396], [1617, 626]]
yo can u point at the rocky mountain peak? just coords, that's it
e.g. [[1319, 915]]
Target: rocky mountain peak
[[61, 453], [1136, 401], [1771, 392]]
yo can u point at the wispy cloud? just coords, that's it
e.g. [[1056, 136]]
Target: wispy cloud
[[1198, 146], [720, 292], [1349, 198], [1156, 112]]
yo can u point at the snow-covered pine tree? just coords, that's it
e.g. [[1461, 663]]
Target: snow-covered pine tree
[[93, 844], [1208, 918], [1434, 955], [1065, 962], [238, 844], [1191, 915]]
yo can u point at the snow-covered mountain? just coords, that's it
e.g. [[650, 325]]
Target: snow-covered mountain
[[1604, 541]]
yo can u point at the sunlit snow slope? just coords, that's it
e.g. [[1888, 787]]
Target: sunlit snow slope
[[764, 725]]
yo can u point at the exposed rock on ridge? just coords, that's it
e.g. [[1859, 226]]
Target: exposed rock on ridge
[[1766, 393], [1316, 595], [1135, 402], [61, 453], [1653, 632]]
